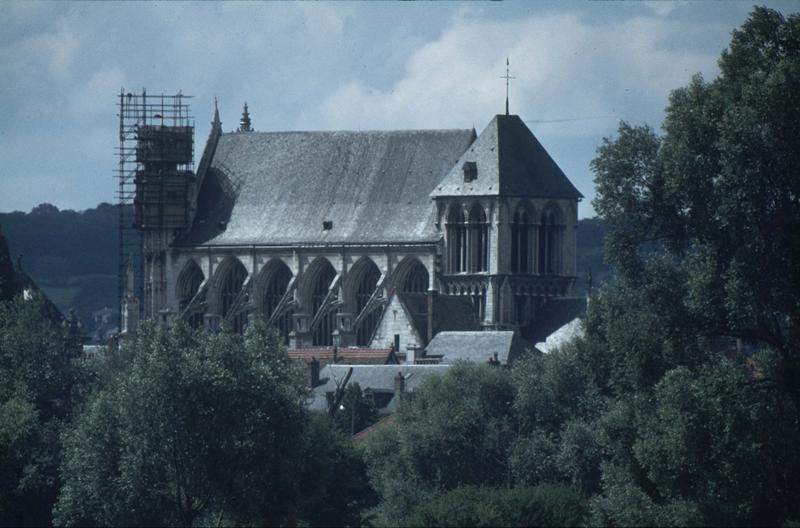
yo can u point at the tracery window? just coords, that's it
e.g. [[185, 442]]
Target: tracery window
[[189, 283], [550, 241], [367, 282], [457, 240], [521, 243], [417, 279], [230, 289], [273, 293], [478, 239], [323, 332]]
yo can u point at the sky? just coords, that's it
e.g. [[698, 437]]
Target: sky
[[579, 68]]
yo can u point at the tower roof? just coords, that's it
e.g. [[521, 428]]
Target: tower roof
[[510, 161]]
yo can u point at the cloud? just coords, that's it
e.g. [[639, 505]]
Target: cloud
[[566, 67]]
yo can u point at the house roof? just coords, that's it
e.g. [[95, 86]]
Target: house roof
[[450, 312], [510, 161], [554, 315], [373, 377], [353, 356], [279, 187], [477, 347]]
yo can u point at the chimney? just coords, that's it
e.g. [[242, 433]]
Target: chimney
[[313, 367], [399, 384]]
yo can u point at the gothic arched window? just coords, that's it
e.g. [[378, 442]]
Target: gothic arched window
[[521, 235], [478, 239], [368, 277], [417, 279], [323, 332], [188, 285], [230, 290], [277, 282], [457, 240], [550, 241]]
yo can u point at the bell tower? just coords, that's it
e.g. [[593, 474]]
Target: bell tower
[[157, 184]]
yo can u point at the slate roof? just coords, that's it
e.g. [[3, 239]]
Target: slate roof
[[552, 316], [353, 356], [450, 312], [379, 378], [510, 162], [477, 347], [277, 188]]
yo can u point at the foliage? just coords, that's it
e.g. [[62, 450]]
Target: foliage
[[40, 383], [455, 430], [719, 191], [356, 412], [198, 424], [543, 505]]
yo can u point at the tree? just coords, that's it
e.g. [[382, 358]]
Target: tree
[[454, 430], [543, 505], [719, 191], [200, 427], [8, 283], [356, 411], [701, 230], [40, 384]]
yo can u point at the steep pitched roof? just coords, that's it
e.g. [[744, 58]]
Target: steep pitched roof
[[279, 187], [450, 312], [477, 347], [378, 378], [510, 162], [552, 316]]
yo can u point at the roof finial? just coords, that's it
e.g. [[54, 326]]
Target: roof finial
[[507, 77], [216, 121], [245, 122]]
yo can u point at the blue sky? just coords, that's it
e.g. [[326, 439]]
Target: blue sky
[[580, 67]]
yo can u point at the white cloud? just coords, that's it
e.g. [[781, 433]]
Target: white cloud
[[565, 67]]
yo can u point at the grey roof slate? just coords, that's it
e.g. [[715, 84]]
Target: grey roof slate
[[477, 347], [278, 187], [552, 316], [510, 162], [373, 377], [450, 312]]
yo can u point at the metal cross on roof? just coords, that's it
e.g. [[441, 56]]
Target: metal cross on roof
[[507, 77]]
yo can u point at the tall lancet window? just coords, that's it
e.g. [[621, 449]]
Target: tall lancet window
[[230, 292], [550, 241], [323, 332], [279, 278], [478, 239], [189, 282], [368, 277], [521, 234], [457, 240]]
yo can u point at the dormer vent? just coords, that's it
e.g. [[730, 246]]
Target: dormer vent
[[470, 169], [327, 225]]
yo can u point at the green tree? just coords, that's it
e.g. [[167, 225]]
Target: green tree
[[356, 411], [40, 383], [719, 191], [8, 285], [454, 430], [701, 231], [199, 428], [543, 505]]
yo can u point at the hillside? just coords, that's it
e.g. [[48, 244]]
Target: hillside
[[72, 255]]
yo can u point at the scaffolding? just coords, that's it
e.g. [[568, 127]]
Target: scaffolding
[[155, 177]]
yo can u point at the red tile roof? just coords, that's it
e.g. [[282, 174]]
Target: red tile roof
[[352, 356], [386, 421]]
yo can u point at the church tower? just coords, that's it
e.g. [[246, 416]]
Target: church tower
[[161, 166], [508, 215]]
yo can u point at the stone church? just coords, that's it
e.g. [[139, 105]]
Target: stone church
[[370, 239]]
